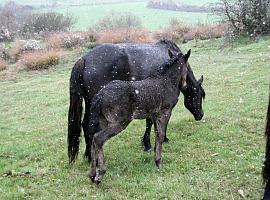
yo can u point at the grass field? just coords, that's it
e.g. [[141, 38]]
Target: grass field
[[210, 159], [153, 19]]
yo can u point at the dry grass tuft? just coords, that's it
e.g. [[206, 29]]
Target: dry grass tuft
[[70, 39], [3, 65], [41, 60], [125, 35], [180, 32]]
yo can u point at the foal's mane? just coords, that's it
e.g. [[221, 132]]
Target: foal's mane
[[167, 65]]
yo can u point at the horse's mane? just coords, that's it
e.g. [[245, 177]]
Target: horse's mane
[[170, 45], [166, 65]]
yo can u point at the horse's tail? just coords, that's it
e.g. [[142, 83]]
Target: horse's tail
[[75, 109], [266, 168]]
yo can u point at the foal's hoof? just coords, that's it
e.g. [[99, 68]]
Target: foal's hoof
[[158, 163], [166, 140]]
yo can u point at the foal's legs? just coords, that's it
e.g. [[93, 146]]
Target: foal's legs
[[146, 136], [160, 134], [160, 125], [97, 150]]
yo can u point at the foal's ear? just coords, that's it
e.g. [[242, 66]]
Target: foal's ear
[[186, 57], [200, 80], [170, 53]]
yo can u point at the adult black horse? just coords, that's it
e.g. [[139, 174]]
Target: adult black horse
[[125, 61], [266, 167]]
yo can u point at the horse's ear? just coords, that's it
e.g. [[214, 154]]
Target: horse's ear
[[186, 57], [183, 79], [200, 80], [170, 53]]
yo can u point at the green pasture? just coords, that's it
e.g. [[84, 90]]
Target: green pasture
[[152, 19], [210, 159]]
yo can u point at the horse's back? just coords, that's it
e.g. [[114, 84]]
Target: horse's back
[[125, 61]]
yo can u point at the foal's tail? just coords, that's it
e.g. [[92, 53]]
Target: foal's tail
[[95, 112], [266, 168], [75, 110]]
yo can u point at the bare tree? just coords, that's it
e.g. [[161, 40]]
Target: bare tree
[[250, 17]]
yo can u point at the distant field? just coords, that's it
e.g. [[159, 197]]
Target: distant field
[[152, 19], [47, 2]]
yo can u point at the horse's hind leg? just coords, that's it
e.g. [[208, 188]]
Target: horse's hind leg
[[146, 137], [97, 149], [88, 136]]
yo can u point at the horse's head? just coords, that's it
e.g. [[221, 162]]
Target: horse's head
[[193, 93]]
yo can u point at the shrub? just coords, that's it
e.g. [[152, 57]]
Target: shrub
[[12, 19], [70, 40], [115, 20], [250, 17], [179, 32], [3, 65], [125, 35], [3, 52], [41, 60], [175, 5], [48, 22], [23, 46]]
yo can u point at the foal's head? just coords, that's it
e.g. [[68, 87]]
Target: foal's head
[[193, 92]]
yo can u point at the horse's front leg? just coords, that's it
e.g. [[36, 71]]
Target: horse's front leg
[[166, 139], [146, 137]]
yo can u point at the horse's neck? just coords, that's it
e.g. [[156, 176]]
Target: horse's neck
[[172, 77]]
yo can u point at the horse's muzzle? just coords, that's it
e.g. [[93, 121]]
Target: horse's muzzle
[[199, 117]]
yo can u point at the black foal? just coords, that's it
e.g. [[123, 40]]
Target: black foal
[[119, 102]]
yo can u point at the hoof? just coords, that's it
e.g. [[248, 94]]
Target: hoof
[[97, 181], [147, 149], [157, 163], [166, 140], [92, 179]]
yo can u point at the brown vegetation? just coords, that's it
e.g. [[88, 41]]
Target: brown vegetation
[[41, 60], [70, 39], [23, 46], [180, 32], [125, 35], [3, 65]]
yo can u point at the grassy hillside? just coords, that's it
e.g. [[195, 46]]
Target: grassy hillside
[[210, 159], [153, 19]]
